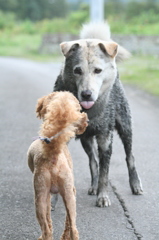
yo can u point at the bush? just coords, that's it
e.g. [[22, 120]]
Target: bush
[[27, 27], [6, 20], [56, 25], [76, 19], [136, 19], [148, 17]]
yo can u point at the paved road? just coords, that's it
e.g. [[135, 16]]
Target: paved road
[[129, 217]]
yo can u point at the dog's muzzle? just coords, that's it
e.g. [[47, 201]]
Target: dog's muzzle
[[86, 102]]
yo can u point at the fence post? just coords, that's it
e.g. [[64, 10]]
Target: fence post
[[96, 10]]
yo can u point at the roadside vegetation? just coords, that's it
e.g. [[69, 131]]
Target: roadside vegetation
[[23, 23], [141, 71]]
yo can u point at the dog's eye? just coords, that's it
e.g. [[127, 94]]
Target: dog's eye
[[78, 71], [97, 70]]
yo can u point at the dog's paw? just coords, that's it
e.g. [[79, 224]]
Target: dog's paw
[[103, 201], [137, 189], [92, 191], [136, 186]]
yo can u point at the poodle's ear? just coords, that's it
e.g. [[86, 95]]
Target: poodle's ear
[[42, 103], [83, 124], [40, 109]]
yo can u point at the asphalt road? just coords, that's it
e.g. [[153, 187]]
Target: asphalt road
[[129, 217]]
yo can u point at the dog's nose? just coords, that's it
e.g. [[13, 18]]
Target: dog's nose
[[86, 94]]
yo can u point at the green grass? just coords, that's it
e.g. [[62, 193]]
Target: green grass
[[24, 46], [137, 29], [141, 71]]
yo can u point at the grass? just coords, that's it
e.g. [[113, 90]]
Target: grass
[[141, 71], [140, 29], [24, 46]]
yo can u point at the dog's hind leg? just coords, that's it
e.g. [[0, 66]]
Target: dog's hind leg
[[90, 148], [43, 206], [124, 129], [30, 162], [43, 218], [66, 233], [68, 195], [48, 214]]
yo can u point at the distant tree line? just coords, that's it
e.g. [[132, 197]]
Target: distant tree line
[[35, 10], [52, 16], [131, 8]]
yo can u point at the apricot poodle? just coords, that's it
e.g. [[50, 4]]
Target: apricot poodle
[[50, 161]]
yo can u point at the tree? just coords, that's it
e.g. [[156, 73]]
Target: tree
[[35, 9]]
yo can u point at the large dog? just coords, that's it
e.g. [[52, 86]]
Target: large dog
[[90, 73]]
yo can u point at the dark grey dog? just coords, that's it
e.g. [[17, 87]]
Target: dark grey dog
[[90, 73]]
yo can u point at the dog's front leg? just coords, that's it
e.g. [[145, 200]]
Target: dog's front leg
[[105, 151], [54, 201], [90, 148]]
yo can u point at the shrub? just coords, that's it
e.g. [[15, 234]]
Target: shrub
[[6, 20], [148, 17], [76, 19], [27, 27], [56, 25]]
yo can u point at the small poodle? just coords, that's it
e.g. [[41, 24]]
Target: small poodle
[[50, 161]]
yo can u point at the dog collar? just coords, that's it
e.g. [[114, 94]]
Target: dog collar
[[47, 139]]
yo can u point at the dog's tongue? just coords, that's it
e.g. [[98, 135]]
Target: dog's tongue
[[87, 104]]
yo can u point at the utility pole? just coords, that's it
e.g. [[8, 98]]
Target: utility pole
[[96, 10]]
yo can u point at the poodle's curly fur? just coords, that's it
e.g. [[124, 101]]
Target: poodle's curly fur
[[51, 163]]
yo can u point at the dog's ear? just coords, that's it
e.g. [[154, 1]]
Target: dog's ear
[[110, 48], [81, 127], [42, 105], [68, 47], [40, 109]]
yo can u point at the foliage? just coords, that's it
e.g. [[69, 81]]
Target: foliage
[[120, 26], [24, 46], [148, 17], [141, 71], [71, 24], [76, 19], [134, 8], [134, 17], [6, 20], [35, 9]]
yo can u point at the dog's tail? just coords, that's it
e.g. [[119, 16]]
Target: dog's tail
[[101, 30]]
